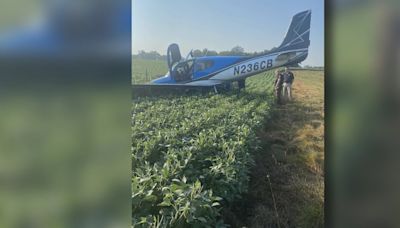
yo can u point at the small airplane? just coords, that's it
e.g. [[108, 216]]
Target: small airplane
[[212, 71]]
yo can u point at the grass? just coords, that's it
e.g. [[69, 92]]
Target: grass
[[291, 161], [146, 70]]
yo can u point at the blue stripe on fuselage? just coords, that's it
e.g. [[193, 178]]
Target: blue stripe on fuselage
[[219, 62], [164, 80]]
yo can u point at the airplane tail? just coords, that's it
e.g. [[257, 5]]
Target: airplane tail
[[298, 34]]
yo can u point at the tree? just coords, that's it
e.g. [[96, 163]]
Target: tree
[[149, 55], [212, 53], [207, 52], [225, 53], [237, 50], [197, 53], [154, 55]]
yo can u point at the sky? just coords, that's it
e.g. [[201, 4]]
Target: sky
[[219, 25]]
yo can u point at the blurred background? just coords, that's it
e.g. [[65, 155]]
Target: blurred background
[[363, 113], [65, 113]]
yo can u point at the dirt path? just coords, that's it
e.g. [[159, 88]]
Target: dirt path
[[286, 185]]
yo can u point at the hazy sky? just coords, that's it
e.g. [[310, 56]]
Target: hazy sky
[[219, 25]]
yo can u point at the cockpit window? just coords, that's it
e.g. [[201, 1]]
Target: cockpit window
[[182, 71], [203, 65]]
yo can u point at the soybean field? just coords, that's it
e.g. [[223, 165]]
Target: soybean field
[[192, 155], [203, 160]]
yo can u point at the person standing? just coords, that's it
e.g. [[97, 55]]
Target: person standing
[[288, 79], [278, 86]]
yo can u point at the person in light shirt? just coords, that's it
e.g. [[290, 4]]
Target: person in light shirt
[[288, 79]]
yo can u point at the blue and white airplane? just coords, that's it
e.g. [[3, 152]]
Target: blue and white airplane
[[211, 71]]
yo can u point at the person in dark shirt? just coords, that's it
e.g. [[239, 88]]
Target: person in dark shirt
[[288, 79], [278, 86]]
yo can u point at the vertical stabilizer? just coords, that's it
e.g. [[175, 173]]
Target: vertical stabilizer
[[298, 34]]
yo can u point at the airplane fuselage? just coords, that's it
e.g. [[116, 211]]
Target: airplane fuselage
[[215, 70], [234, 68], [259, 64]]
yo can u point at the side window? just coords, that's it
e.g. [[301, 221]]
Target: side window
[[199, 66], [203, 65]]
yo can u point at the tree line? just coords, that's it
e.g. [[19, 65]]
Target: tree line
[[237, 50]]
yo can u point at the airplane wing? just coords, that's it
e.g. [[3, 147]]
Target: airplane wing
[[139, 90], [206, 83]]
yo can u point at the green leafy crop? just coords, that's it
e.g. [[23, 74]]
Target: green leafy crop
[[192, 155]]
